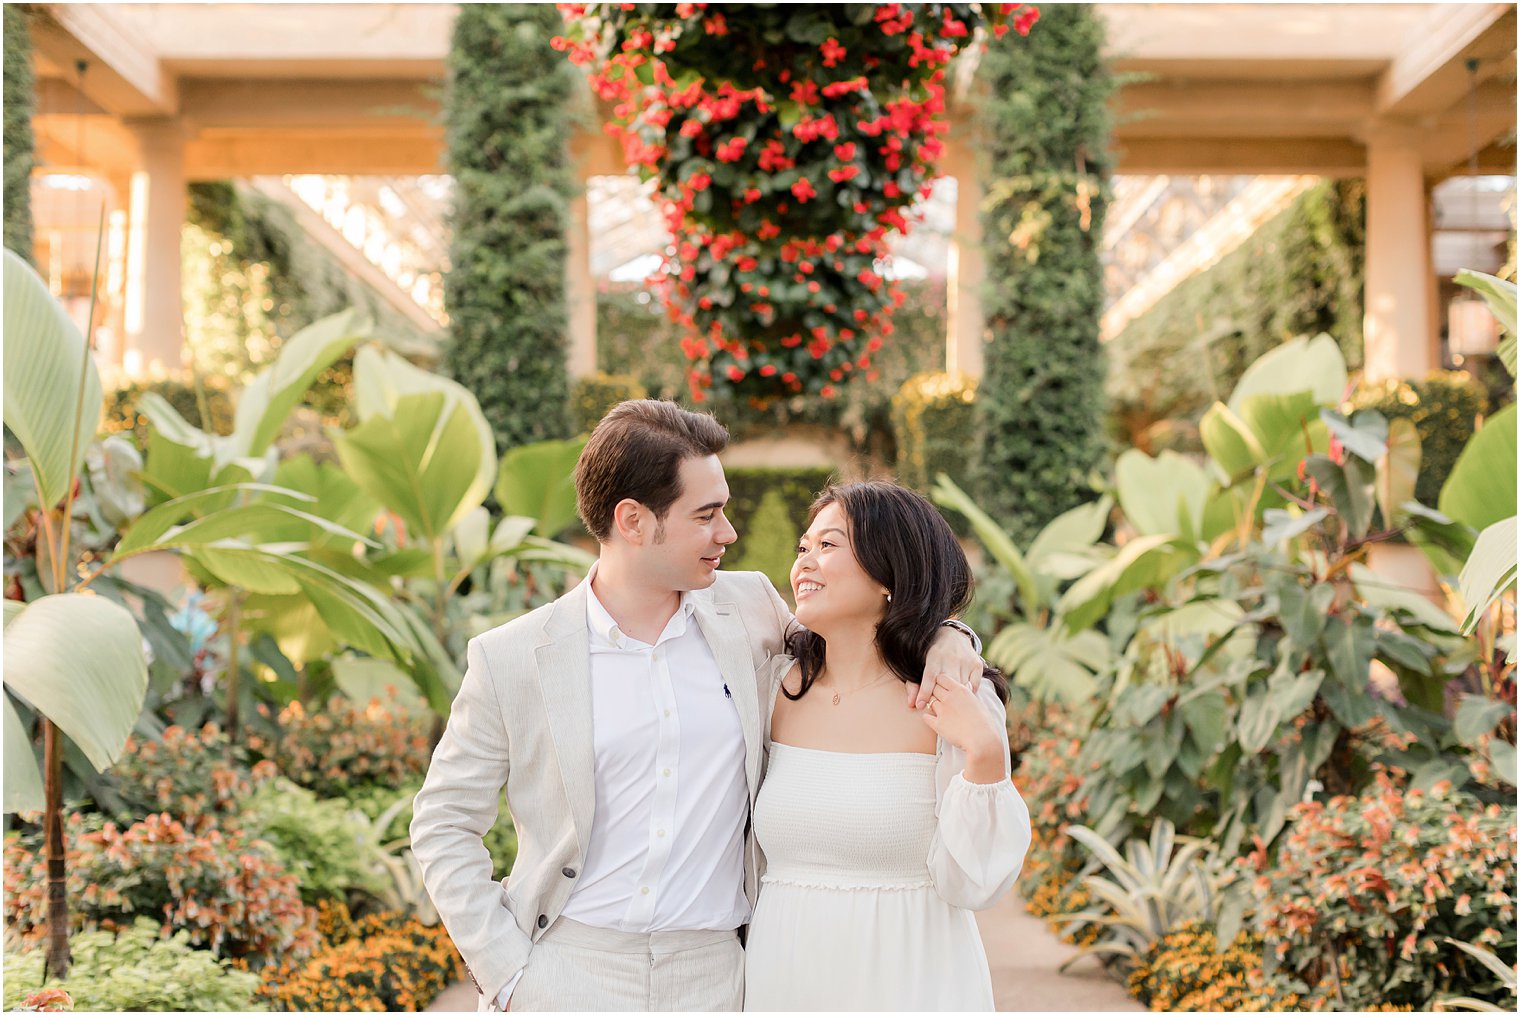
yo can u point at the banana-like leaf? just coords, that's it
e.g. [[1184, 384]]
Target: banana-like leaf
[[1301, 364], [365, 679], [45, 362], [998, 543], [146, 532], [1234, 449], [1398, 470], [1164, 495], [1142, 562], [1499, 294], [78, 660], [1481, 487], [268, 399], [23, 778], [1489, 572], [384, 385], [1070, 532], [538, 480]]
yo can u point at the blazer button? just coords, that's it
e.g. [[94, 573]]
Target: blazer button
[[568, 872], [543, 921]]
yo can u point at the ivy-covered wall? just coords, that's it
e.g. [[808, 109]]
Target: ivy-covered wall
[[508, 122], [1300, 274], [1043, 133], [20, 100]]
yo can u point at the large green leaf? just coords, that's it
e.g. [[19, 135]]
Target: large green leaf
[[1234, 449], [538, 480], [998, 542], [1070, 532], [1048, 663], [45, 362], [78, 660], [1499, 294], [419, 463], [1481, 487], [1145, 561], [1162, 496], [268, 399], [1287, 427], [151, 527], [1301, 364], [1398, 470], [1489, 572], [338, 497], [23, 779]]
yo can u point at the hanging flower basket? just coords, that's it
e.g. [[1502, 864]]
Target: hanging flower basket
[[789, 143]]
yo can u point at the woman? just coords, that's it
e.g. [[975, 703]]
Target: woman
[[881, 827]]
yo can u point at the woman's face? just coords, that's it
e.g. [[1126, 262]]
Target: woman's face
[[828, 583]]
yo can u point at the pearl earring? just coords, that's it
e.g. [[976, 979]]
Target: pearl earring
[[889, 597]]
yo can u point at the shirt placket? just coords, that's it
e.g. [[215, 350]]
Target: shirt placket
[[641, 909]]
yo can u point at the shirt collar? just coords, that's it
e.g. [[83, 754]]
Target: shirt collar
[[606, 630]]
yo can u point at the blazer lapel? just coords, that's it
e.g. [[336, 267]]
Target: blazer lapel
[[564, 676], [725, 634]]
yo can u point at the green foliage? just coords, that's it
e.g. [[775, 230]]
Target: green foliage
[[346, 745], [228, 891], [20, 102], [136, 970], [1363, 894], [1444, 408], [197, 778], [768, 541], [385, 962], [373, 801], [934, 423], [508, 124], [1299, 274], [1044, 126], [592, 397], [319, 841], [123, 415], [769, 509]]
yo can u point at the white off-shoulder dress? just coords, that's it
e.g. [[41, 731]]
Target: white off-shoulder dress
[[873, 864]]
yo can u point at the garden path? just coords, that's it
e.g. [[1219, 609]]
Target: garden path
[[1024, 955]]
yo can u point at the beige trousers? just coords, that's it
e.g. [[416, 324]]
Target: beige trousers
[[574, 967]]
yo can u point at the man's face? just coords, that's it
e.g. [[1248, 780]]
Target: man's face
[[688, 545]]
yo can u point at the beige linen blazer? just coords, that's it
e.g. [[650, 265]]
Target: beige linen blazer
[[522, 720]]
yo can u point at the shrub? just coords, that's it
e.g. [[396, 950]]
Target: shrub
[[138, 969], [1365, 889], [934, 424], [1044, 124], [1444, 408], [20, 103], [1186, 971], [227, 893], [322, 842], [122, 415], [195, 778], [346, 745], [373, 801], [591, 397], [386, 963], [508, 118]]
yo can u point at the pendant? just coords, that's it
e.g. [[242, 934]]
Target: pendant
[[836, 697]]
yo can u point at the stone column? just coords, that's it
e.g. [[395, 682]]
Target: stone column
[[966, 270], [154, 302], [580, 291], [1398, 332]]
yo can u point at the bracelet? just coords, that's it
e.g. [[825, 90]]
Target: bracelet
[[976, 643]]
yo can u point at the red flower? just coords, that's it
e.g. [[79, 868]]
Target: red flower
[[735, 374], [832, 52], [846, 151], [805, 93], [751, 195], [768, 370], [803, 190], [732, 150], [844, 173]]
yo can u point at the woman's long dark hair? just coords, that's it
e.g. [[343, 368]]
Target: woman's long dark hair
[[904, 544]]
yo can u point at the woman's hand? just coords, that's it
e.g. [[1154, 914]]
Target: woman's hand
[[955, 713], [951, 656]]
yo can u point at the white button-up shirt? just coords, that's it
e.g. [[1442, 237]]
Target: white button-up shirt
[[666, 850]]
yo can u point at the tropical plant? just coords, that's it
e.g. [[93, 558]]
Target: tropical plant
[[1504, 972], [76, 660], [1145, 894]]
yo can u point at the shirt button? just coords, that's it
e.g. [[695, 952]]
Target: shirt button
[[543, 921], [660, 833], [667, 713], [644, 890], [568, 872], [666, 773]]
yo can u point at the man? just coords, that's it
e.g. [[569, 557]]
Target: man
[[625, 721]]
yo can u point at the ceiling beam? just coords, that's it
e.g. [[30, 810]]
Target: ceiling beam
[[273, 153], [1315, 156], [1189, 108], [122, 71], [1430, 75], [218, 104]]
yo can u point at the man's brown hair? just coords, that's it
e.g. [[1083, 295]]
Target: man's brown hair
[[635, 453]]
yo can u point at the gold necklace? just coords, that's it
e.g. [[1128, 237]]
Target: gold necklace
[[862, 687]]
